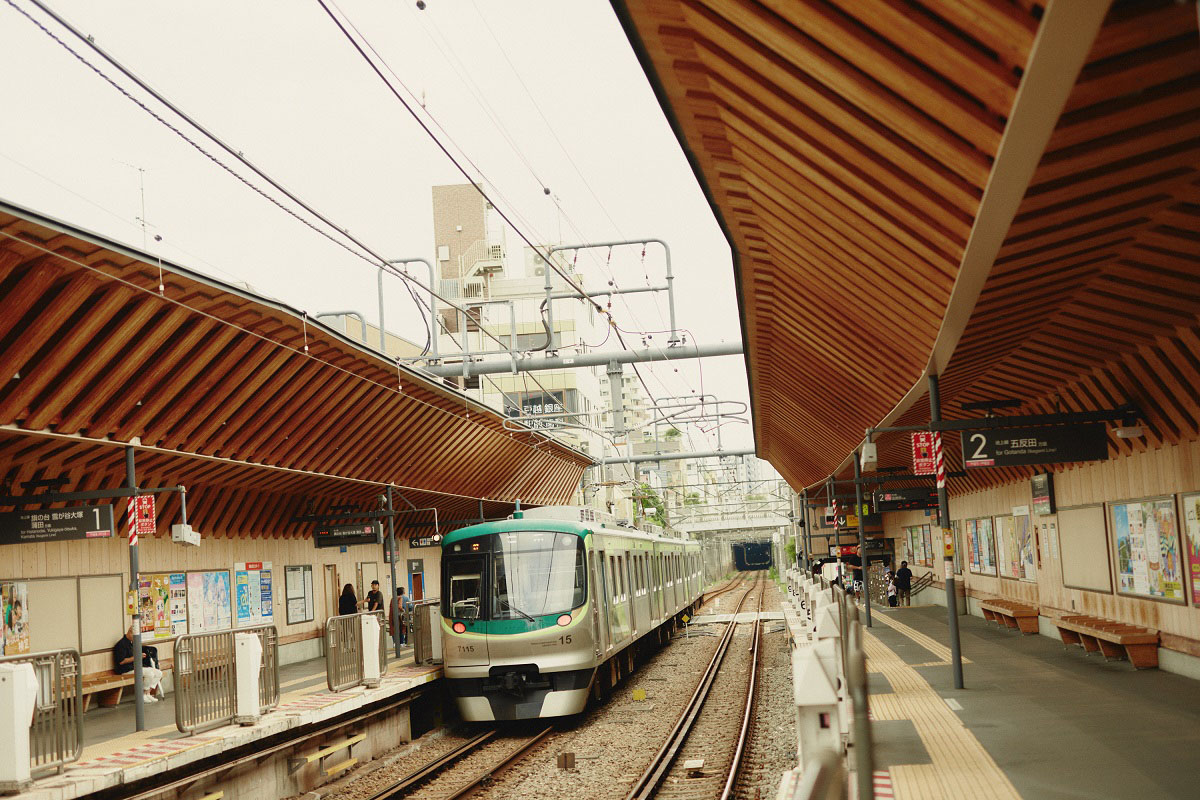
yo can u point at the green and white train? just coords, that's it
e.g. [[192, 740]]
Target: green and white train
[[547, 608]]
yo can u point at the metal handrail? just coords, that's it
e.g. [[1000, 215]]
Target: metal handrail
[[344, 653], [206, 677], [56, 730]]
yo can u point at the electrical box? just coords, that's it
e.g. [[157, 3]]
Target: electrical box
[[183, 534]]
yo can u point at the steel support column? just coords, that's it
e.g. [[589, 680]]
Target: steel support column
[[395, 598], [862, 538], [139, 707], [935, 415]]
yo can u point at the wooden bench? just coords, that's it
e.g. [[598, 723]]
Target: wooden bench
[[1115, 640], [108, 687], [1010, 613]]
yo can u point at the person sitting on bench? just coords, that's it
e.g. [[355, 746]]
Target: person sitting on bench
[[123, 663]]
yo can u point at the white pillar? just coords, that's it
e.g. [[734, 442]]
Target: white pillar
[[247, 664]]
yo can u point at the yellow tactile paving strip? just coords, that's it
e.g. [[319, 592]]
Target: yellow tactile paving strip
[[961, 767], [940, 651]]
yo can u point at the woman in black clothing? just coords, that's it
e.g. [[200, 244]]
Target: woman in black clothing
[[348, 602]]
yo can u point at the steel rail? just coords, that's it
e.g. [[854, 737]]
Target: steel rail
[[656, 773], [398, 788], [733, 584], [504, 763], [744, 736]]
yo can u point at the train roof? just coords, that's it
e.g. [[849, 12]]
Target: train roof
[[555, 525]]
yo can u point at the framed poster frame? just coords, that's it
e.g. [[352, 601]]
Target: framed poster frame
[[1003, 556], [1108, 554], [1115, 556], [1189, 517], [982, 540], [204, 627]]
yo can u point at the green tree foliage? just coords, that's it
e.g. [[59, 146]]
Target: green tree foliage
[[646, 497]]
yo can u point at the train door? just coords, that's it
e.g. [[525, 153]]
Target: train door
[[599, 630], [628, 575], [604, 592]]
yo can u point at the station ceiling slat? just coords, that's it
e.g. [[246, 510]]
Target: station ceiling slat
[[845, 147], [243, 400]]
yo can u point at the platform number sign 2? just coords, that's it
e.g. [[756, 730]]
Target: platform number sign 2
[[1010, 447]]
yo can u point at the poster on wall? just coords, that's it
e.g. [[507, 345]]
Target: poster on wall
[[253, 593], [1026, 548], [298, 594], [14, 614], [178, 589], [983, 546], [927, 536], [1149, 560], [162, 604], [209, 602], [1008, 553], [1191, 519]]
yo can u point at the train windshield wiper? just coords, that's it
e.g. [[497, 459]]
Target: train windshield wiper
[[511, 607]]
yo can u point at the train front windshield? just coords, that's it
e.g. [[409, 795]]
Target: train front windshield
[[517, 575]]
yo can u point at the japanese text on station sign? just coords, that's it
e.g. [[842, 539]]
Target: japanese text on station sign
[[924, 460]]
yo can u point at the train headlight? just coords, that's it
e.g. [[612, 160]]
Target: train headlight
[[564, 620], [459, 627]]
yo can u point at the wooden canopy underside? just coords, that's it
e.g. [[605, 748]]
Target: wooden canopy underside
[[846, 147], [217, 391]]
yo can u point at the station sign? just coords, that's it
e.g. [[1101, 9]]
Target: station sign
[[910, 499], [1012, 447], [339, 535], [56, 525], [1042, 488], [924, 459]]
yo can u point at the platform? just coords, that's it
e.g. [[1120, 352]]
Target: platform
[[1035, 719], [115, 754]]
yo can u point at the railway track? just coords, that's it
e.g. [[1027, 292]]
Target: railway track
[[413, 781], [734, 582], [667, 776]]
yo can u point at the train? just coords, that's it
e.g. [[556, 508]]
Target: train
[[752, 555], [550, 608]]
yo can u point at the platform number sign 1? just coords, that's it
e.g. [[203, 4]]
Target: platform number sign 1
[[140, 517]]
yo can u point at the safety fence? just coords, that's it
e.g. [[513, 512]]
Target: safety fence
[[344, 649], [206, 677], [56, 728], [823, 774]]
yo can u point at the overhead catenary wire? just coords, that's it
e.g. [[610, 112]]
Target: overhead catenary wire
[[369, 255]]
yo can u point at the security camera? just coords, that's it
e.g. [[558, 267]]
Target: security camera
[[869, 456]]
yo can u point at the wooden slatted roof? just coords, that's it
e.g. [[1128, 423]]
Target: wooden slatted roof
[[850, 147], [245, 401]]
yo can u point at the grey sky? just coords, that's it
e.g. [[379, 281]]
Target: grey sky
[[278, 81]]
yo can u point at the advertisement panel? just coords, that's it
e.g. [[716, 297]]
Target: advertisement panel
[[210, 605], [15, 618], [1148, 554], [252, 580], [1191, 518]]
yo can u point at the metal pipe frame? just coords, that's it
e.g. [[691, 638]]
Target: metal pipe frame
[[587, 360], [433, 317], [676, 456], [362, 321], [674, 338]]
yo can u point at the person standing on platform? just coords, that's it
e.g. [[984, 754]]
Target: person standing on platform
[[401, 607], [903, 581], [348, 602], [123, 663], [374, 598]]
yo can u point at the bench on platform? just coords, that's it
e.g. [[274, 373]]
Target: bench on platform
[[108, 687], [1012, 614], [1115, 640]]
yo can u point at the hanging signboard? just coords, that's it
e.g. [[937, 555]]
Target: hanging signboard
[[1011, 447], [56, 525], [1043, 493], [924, 462], [906, 499], [338, 535]]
